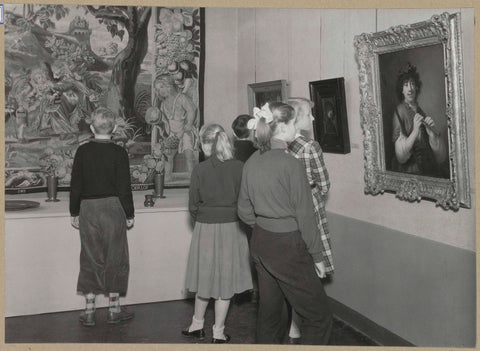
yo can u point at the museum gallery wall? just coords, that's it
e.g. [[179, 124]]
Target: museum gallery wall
[[64, 61]]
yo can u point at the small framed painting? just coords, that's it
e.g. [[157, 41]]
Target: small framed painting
[[261, 93], [330, 112]]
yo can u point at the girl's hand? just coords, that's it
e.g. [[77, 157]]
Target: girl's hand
[[130, 223], [320, 269], [74, 222]]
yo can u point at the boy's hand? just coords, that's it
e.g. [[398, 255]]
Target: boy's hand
[[130, 223], [74, 222]]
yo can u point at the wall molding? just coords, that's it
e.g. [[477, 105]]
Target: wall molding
[[365, 326]]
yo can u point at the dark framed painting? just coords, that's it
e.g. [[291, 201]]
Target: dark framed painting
[[64, 61], [330, 112], [261, 93], [412, 111]]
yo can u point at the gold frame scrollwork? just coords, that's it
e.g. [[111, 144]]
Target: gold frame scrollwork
[[450, 193]]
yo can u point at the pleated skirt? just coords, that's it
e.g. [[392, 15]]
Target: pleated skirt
[[218, 261]]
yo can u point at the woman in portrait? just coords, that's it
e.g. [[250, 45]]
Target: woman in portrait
[[419, 147]]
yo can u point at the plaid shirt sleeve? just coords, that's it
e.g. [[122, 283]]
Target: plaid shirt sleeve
[[316, 168]]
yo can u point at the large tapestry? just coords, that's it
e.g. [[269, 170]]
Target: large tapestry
[[64, 61]]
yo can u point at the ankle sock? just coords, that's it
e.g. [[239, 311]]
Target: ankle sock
[[114, 302], [294, 333], [218, 332], [196, 324], [90, 303]]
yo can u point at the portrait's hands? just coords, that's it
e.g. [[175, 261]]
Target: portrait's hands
[[430, 124], [320, 269], [417, 122], [130, 223], [74, 222]]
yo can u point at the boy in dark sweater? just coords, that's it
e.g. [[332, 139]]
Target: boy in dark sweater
[[243, 145], [101, 206]]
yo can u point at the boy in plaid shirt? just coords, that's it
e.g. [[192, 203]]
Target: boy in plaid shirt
[[310, 153]]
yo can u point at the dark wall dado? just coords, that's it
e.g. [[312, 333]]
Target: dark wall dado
[[421, 290]]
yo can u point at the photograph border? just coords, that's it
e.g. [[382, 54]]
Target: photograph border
[[450, 193]]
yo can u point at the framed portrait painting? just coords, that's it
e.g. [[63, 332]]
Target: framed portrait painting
[[412, 111], [330, 112], [261, 93]]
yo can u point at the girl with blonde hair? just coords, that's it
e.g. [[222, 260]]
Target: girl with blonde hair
[[218, 261]]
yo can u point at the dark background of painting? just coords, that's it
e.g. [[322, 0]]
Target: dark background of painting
[[429, 61], [261, 98]]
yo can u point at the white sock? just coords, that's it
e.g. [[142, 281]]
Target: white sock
[[90, 303], [114, 302], [196, 324], [294, 331], [218, 332]]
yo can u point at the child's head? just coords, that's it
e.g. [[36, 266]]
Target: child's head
[[103, 121], [38, 76], [277, 121], [240, 128], [214, 140], [303, 112], [164, 85]]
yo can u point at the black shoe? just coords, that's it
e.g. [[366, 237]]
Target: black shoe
[[293, 341], [221, 341], [87, 319], [117, 317], [199, 333]]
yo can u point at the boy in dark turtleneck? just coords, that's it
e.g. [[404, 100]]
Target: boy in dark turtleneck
[[101, 206]]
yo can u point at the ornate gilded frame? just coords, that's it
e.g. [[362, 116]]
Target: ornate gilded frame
[[440, 29]]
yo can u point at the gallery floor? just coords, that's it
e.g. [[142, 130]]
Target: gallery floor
[[153, 323]]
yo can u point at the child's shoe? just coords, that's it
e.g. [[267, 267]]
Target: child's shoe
[[221, 341], [195, 329], [293, 341], [117, 317], [218, 336], [87, 319], [199, 333]]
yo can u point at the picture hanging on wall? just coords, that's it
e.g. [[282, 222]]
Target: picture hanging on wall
[[64, 61], [261, 93], [412, 111], [330, 113]]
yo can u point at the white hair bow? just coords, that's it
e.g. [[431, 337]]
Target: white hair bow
[[259, 113]]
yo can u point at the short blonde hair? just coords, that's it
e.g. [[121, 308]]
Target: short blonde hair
[[103, 120], [297, 102], [214, 139]]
